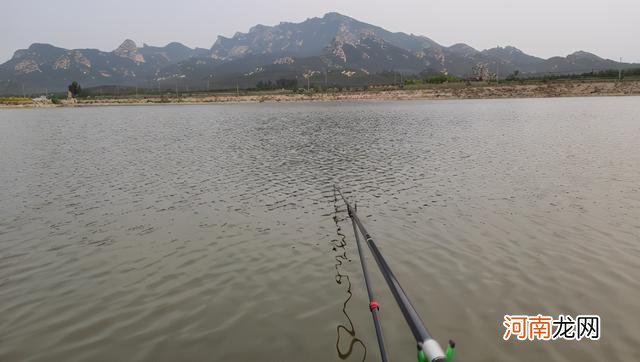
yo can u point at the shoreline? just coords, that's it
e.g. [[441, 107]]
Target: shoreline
[[446, 92]]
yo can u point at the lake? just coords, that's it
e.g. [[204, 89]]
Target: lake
[[211, 233]]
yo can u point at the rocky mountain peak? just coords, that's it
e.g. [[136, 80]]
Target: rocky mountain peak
[[584, 55], [128, 49], [127, 46], [462, 49], [258, 28], [332, 15], [512, 49], [319, 44], [38, 50], [20, 53]]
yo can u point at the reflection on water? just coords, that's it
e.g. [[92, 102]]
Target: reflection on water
[[203, 233]]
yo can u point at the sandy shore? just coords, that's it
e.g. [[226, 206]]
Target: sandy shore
[[453, 91]]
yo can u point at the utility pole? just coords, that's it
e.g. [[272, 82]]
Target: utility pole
[[237, 88], [177, 88], [497, 72], [620, 71], [308, 83], [325, 78], [23, 93]]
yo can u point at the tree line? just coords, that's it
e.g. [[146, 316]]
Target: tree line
[[282, 83]]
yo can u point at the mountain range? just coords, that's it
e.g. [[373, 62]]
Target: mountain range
[[333, 49]]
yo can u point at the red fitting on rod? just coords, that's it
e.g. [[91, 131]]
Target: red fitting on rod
[[374, 305]]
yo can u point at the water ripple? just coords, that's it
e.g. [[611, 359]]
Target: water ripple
[[207, 232]]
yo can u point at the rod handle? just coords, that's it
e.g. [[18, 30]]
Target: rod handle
[[430, 351]]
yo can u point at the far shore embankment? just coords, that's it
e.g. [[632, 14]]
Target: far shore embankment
[[444, 91]]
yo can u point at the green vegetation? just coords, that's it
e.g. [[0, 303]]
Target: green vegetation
[[513, 76], [291, 84], [427, 77], [14, 100], [333, 82], [414, 82], [75, 89], [439, 79], [612, 74]]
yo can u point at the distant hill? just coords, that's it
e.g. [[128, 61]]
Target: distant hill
[[334, 47], [43, 66]]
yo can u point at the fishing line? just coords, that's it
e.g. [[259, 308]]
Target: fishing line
[[429, 349], [340, 243]]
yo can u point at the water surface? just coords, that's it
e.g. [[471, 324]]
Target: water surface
[[204, 233]]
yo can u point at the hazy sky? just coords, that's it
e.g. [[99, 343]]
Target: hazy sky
[[544, 28]]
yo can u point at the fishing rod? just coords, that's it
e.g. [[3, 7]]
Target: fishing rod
[[374, 306], [429, 349]]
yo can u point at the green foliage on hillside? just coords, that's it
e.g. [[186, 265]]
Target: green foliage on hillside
[[282, 83]]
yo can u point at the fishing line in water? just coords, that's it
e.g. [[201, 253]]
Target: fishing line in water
[[429, 350], [339, 245]]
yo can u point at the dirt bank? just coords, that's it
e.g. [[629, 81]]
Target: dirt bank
[[452, 91]]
